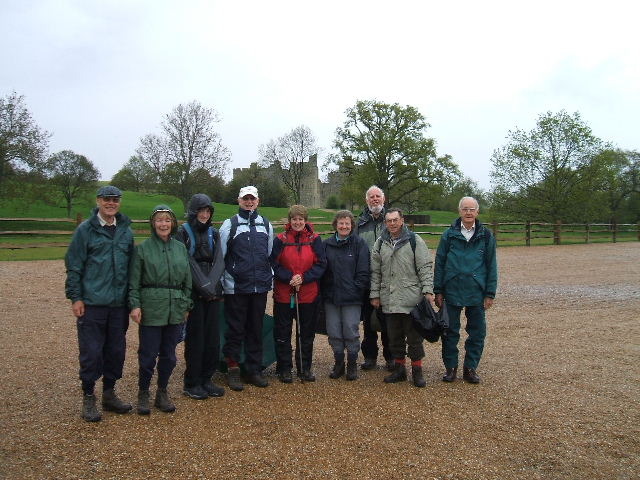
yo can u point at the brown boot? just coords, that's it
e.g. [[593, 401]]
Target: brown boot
[[90, 412], [163, 401], [111, 402]]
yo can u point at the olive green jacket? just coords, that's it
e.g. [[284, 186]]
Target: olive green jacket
[[160, 281], [399, 278]]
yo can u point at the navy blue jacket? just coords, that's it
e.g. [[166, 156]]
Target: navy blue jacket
[[347, 275]]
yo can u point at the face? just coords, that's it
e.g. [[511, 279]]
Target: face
[[203, 215], [468, 212], [394, 222], [343, 226], [375, 199], [248, 202], [162, 225], [108, 206], [297, 223]]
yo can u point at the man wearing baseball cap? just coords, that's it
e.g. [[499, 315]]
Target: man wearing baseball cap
[[97, 263], [246, 240]]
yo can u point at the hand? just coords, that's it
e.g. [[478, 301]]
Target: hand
[[429, 297], [439, 300], [375, 302], [136, 315], [488, 303], [77, 308], [186, 316], [296, 281]]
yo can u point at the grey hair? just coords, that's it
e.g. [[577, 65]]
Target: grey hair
[[468, 198], [366, 194]]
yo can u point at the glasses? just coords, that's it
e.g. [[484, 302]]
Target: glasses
[[468, 210], [111, 199], [392, 220]]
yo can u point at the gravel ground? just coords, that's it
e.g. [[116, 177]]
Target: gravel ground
[[559, 397]]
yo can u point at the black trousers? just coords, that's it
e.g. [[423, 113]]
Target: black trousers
[[244, 314], [202, 343], [369, 344], [102, 343], [157, 343], [284, 316]]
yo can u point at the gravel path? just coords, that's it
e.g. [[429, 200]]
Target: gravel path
[[559, 398]]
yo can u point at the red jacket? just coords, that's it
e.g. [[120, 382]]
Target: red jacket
[[297, 253]]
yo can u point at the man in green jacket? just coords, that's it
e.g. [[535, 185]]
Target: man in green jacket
[[466, 277], [401, 273], [97, 264]]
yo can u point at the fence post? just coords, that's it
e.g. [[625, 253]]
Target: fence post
[[614, 234], [494, 228], [639, 231], [527, 234], [78, 218], [556, 233], [587, 233]]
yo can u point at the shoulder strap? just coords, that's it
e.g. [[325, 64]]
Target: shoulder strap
[[210, 235], [192, 239], [232, 231]]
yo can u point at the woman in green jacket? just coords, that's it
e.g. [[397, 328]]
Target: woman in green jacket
[[160, 299]]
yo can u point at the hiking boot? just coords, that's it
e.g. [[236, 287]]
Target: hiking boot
[[450, 374], [90, 412], [352, 371], [470, 375], [143, 402], [418, 378], [389, 365], [285, 376], [212, 389], [338, 370], [233, 379], [111, 402], [163, 401], [196, 392], [369, 364], [307, 376], [399, 374], [257, 380]]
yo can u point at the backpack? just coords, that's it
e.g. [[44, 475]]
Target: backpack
[[234, 227], [192, 239]]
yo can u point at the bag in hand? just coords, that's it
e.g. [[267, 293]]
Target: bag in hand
[[431, 325]]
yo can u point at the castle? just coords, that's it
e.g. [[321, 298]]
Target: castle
[[313, 193]]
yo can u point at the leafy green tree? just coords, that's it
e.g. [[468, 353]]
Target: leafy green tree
[[617, 179], [288, 155], [271, 192], [72, 176], [135, 175], [23, 145], [385, 145], [188, 144], [545, 169]]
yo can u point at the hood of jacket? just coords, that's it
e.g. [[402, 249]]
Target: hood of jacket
[[198, 201]]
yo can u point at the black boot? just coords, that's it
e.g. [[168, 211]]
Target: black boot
[[470, 375], [399, 374], [352, 367], [143, 402], [212, 389], [163, 401], [90, 412], [111, 402], [418, 378], [369, 364], [233, 379], [450, 374], [338, 366]]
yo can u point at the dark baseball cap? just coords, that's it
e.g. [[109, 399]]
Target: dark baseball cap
[[109, 191]]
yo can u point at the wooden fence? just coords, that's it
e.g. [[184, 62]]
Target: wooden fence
[[515, 233]]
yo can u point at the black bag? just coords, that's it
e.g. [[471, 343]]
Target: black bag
[[431, 325]]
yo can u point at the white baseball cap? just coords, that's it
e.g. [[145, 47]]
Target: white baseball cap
[[248, 190]]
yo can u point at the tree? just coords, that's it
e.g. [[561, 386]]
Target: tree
[[23, 145], [618, 177], [385, 145], [135, 175], [545, 169], [288, 155], [188, 144], [271, 192], [72, 174]]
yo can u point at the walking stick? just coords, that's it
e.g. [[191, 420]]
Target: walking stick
[[298, 340]]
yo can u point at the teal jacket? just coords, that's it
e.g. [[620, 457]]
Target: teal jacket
[[160, 281], [98, 265], [466, 272]]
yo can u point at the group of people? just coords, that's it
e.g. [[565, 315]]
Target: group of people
[[373, 270]]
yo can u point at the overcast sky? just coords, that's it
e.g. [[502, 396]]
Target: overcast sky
[[99, 75]]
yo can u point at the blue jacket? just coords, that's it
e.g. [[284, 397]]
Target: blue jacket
[[347, 275], [98, 265], [246, 255], [466, 272]]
